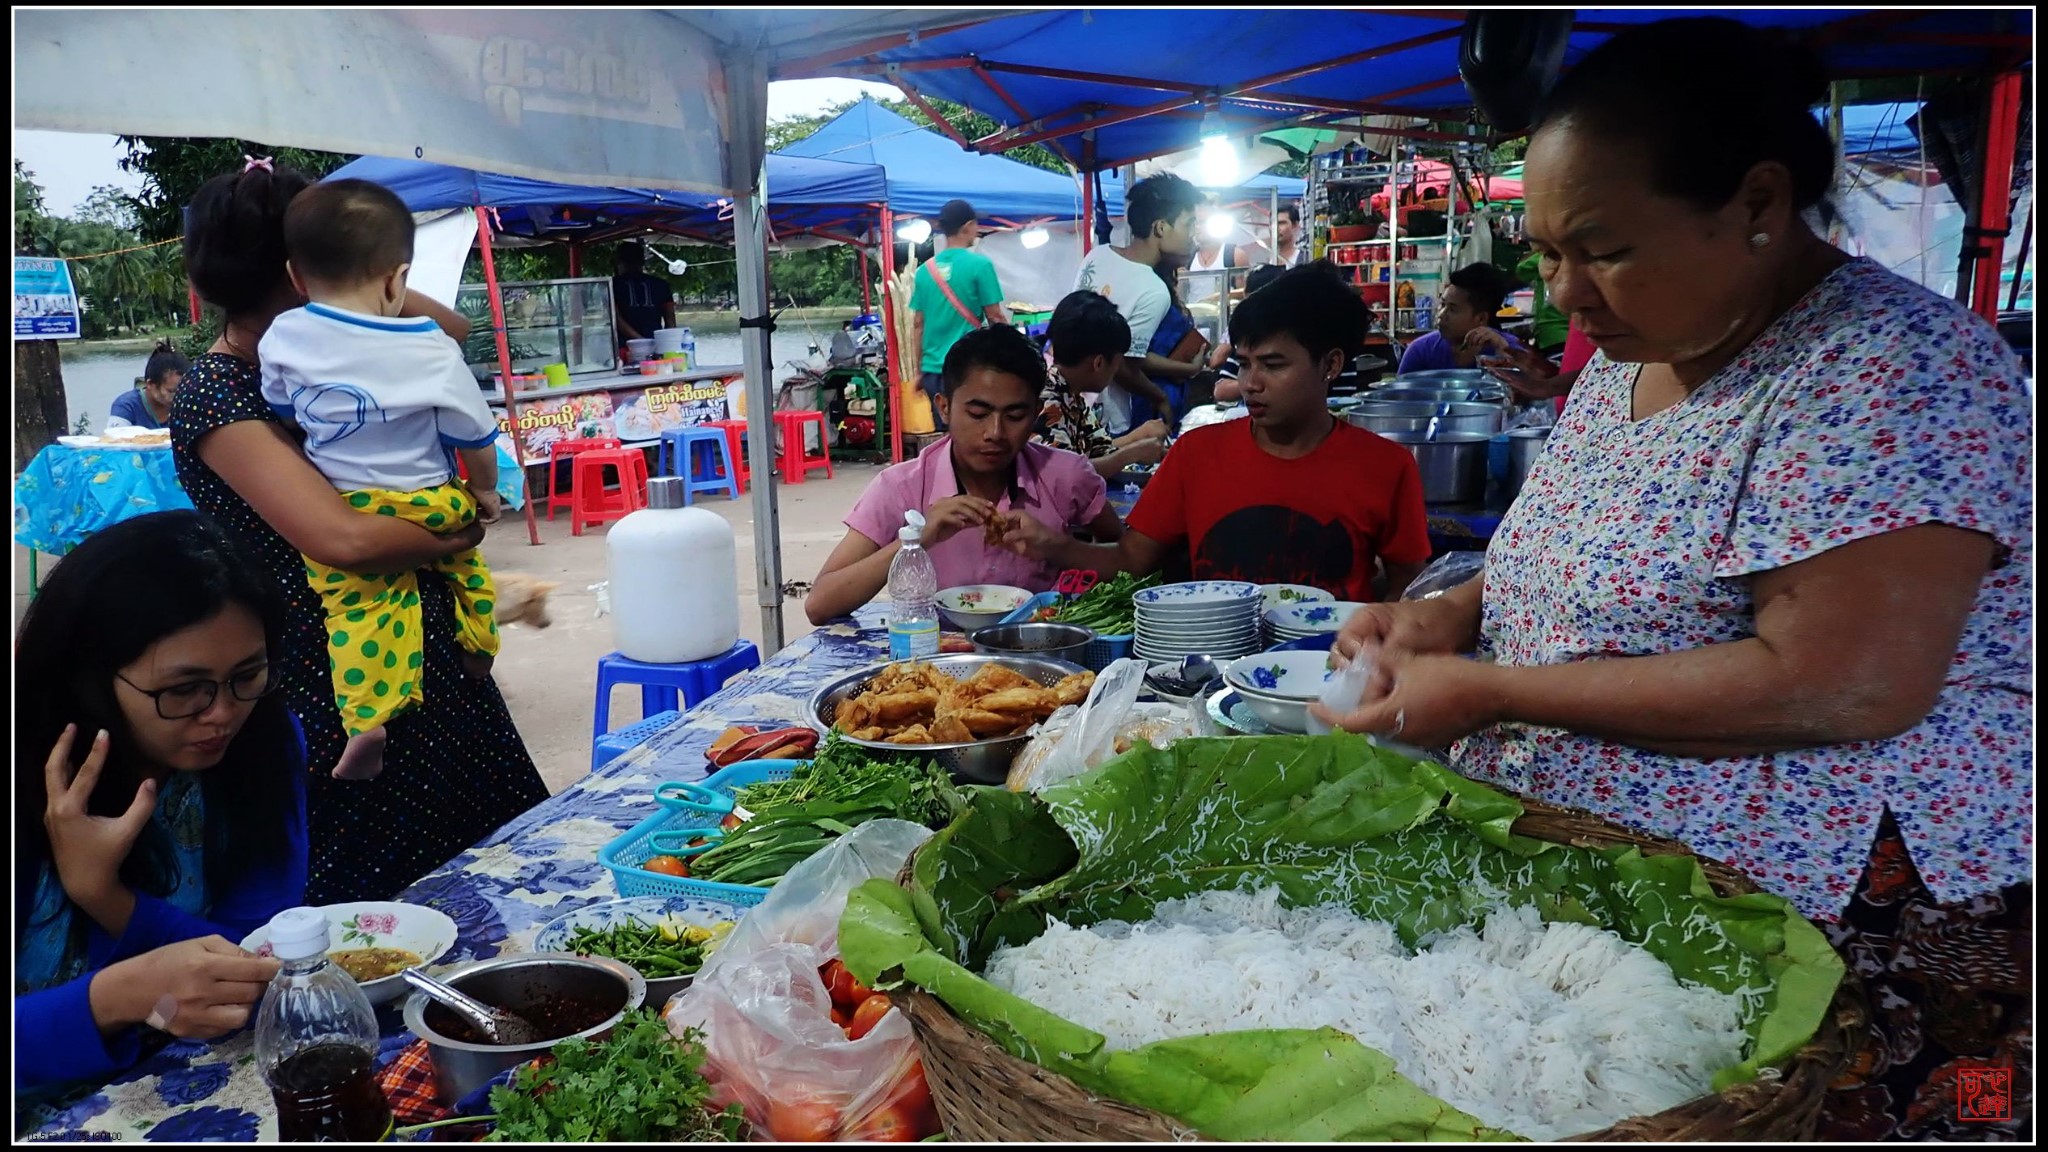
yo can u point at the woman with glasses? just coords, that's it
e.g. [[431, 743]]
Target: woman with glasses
[[159, 799]]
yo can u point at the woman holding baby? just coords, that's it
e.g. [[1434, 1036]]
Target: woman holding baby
[[453, 768]]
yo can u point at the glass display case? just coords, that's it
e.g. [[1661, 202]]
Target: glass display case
[[546, 322]]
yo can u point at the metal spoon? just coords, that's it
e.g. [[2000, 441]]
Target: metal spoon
[[499, 1026], [1195, 671]]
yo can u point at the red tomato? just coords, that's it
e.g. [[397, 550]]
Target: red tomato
[[806, 1121], [840, 1017], [731, 821], [668, 866], [846, 991], [869, 1014], [889, 1124], [913, 1093]]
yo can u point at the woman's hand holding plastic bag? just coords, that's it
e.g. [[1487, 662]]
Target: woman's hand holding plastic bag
[[774, 1046]]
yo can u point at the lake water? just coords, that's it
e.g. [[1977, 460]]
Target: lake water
[[94, 378]]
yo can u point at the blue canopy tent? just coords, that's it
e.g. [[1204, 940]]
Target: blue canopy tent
[[925, 169], [822, 197]]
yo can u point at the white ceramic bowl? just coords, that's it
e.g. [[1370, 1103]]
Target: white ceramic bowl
[[1311, 619], [422, 931], [974, 606], [1279, 685], [671, 912], [1290, 595]]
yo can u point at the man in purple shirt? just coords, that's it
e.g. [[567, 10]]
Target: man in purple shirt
[[1470, 303]]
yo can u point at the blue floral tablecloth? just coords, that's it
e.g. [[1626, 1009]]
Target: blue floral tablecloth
[[499, 894], [66, 494]]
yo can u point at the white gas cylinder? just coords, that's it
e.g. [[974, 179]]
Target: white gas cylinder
[[674, 588]]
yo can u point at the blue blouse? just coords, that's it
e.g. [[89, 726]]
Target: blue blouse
[[56, 1038]]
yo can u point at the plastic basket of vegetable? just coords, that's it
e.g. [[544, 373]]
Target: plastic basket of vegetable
[[1388, 899], [697, 845], [1106, 608]]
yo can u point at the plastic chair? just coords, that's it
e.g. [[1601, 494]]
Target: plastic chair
[[661, 684], [592, 500], [679, 457], [572, 448], [613, 745], [735, 444], [797, 461]]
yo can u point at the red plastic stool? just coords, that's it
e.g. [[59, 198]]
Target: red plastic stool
[[594, 502], [797, 461], [572, 448], [736, 442]]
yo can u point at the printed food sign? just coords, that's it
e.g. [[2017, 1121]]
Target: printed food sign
[[634, 414], [45, 306]]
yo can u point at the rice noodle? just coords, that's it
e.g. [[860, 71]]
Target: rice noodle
[[1544, 1030]]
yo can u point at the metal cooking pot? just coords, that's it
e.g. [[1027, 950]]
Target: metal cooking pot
[[1443, 378], [1453, 465], [1384, 418], [1525, 446], [1494, 393], [1044, 641], [517, 984]]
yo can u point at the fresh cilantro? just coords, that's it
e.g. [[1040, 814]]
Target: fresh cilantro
[[639, 1086]]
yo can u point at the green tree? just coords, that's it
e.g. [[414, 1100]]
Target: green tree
[[111, 206], [173, 167]]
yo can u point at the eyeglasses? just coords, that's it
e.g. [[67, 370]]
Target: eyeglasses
[[184, 701]]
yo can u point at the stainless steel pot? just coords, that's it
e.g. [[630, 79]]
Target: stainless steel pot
[[1047, 641], [1525, 446], [1384, 418], [1442, 378], [981, 762], [1453, 465], [520, 984], [1495, 393]]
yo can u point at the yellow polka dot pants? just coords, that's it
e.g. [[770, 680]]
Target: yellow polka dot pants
[[373, 622]]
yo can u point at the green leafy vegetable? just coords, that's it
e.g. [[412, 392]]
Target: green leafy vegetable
[[653, 951], [1107, 607], [639, 1086], [1327, 820], [843, 788]]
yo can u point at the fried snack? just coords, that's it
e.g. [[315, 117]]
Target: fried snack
[[1074, 689], [909, 704], [996, 527]]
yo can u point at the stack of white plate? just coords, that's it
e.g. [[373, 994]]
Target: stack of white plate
[[1214, 618], [1301, 621]]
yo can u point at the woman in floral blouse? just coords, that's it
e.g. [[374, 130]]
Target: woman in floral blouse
[[1768, 592]]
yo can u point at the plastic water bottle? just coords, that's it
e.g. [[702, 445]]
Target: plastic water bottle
[[316, 1040], [913, 593], [689, 351]]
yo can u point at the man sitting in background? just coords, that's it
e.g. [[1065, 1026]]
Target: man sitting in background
[[1089, 338], [1471, 303]]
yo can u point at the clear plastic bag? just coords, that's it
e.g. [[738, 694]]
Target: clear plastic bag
[[1111, 722], [1343, 692], [766, 1015], [1542, 414], [1444, 573]]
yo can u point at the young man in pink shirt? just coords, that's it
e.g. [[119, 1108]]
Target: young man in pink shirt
[[970, 486]]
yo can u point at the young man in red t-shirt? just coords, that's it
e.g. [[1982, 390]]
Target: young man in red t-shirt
[[1291, 495]]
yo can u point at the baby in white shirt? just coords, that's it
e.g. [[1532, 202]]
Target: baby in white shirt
[[386, 404]]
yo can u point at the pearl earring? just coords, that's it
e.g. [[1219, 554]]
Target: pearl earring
[[1760, 240]]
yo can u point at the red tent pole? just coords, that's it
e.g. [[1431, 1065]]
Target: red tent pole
[[865, 296], [575, 260], [1994, 218], [483, 227], [894, 353], [1088, 194], [192, 296]]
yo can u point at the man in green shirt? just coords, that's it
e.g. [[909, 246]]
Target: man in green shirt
[[1549, 325], [956, 292]]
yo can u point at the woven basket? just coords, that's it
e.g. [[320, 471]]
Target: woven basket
[[985, 1094]]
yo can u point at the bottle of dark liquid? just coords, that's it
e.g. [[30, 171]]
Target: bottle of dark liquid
[[315, 1038]]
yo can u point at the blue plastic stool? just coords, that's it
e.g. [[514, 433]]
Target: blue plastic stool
[[679, 457], [660, 684], [613, 745]]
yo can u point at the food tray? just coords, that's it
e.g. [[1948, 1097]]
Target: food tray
[[624, 855], [1104, 651]]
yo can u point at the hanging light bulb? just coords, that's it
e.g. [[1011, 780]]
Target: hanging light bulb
[[1034, 238], [916, 231], [678, 266], [1219, 155], [1221, 226]]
